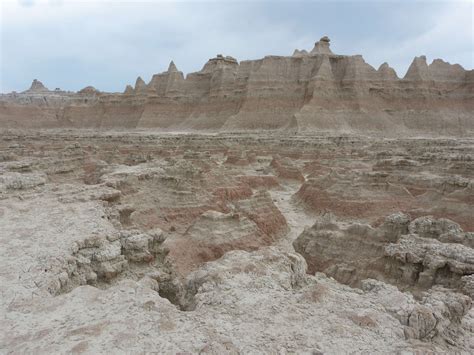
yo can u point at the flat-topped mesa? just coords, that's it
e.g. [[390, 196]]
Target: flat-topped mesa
[[89, 91], [219, 61], [37, 86], [321, 47]]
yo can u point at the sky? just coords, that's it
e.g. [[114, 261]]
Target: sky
[[70, 44]]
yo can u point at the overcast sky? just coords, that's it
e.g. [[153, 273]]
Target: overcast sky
[[71, 44]]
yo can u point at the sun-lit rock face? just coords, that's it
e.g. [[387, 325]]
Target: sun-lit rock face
[[309, 91]]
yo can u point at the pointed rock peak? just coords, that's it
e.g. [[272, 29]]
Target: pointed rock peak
[[140, 84], [387, 71], [37, 85], [129, 90], [419, 63], [418, 69], [172, 67], [298, 53], [322, 46]]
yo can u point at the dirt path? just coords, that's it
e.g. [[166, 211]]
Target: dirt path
[[295, 216]]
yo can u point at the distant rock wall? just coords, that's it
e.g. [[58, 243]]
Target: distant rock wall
[[314, 91]]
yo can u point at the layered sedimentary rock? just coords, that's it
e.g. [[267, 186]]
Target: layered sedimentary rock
[[125, 240], [308, 91], [414, 255]]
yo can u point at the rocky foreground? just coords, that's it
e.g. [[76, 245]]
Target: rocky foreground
[[235, 243], [315, 91]]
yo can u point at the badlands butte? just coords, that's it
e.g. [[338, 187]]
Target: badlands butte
[[303, 204], [312, 91]]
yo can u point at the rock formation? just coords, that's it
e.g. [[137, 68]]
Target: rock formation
[[37, 86], [89, 91], [414, 255], [321, 47], [247, 243], [307, 92], [433, 259]]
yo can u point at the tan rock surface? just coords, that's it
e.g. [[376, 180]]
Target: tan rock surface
[[308, 92], [144, 242]]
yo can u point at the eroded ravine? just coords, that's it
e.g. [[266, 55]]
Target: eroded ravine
[[295, 215], [163, 224]]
